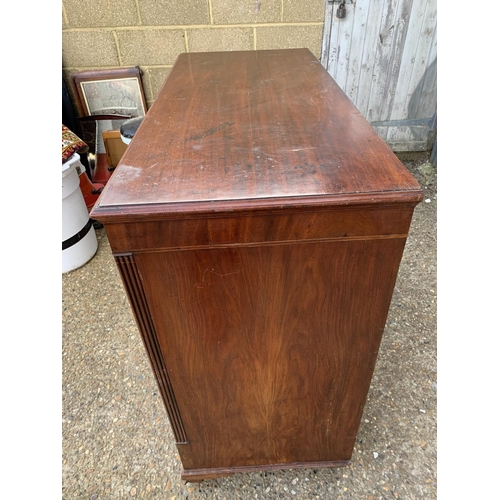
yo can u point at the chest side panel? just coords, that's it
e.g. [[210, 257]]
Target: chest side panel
[[270, 350]]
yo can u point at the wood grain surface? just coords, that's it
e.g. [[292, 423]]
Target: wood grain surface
[[258, 223], [270, 349], [243, 126], [262, 228]]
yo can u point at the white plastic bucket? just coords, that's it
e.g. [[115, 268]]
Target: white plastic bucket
[[79, 242]]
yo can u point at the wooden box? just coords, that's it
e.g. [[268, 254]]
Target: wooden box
[[258, 223]]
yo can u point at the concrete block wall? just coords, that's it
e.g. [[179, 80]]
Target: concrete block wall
[[152, 33]]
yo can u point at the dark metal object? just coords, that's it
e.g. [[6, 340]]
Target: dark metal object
[[129, 128], [341, 10]]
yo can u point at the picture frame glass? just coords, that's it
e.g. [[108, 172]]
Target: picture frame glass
[[113, 96]]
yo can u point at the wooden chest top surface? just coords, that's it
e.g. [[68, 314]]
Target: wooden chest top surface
[[236, 130]]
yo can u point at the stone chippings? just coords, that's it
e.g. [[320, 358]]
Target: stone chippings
[[117, 442]]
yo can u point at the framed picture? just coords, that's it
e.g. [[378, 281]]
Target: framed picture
[[110, 91]]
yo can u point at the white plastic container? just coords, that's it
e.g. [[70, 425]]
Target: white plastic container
[[79, 242]]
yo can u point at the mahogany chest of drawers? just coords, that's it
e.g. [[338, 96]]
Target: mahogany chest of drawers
[[258, 223]]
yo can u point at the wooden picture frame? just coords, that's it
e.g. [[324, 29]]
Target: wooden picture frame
[[110, 91]]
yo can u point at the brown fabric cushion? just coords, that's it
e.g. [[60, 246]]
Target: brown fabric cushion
[[71, 144]]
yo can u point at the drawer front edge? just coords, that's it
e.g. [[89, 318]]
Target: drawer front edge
[[258, 229]]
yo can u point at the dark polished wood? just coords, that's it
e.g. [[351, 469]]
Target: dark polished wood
[[198, 475], [132, 281], [257, 125], [258, 223]]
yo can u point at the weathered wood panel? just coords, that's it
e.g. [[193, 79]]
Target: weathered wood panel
[[383, 54]]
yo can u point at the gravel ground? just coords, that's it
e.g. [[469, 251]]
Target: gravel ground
[[117, 441]]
